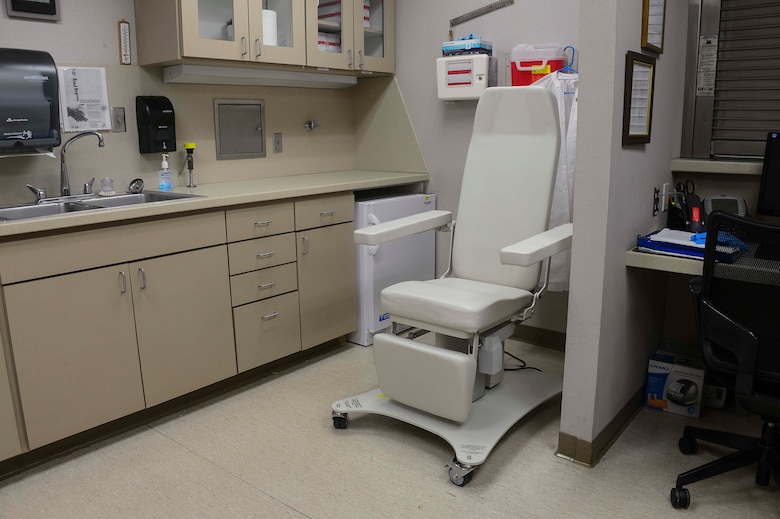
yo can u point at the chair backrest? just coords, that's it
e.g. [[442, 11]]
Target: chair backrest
[[741, 281], [508, 183]]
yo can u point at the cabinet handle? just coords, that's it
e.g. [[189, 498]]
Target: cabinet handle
[[361, 58], [123, 277], [243, 45], [350, 58], [305, 242], [265, 254], [269, 316], [259, 48], [327, 213], [142, 273], [264, 222], [267, 285]]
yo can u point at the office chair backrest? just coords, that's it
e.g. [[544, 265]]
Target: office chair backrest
[[508, 183], [741, 279]]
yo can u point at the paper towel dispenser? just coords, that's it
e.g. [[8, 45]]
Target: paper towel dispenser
[[156, 124], [29, 101]]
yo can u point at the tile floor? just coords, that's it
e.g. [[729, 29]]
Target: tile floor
[[270, 450]]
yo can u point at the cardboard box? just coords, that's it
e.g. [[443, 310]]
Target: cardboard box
[[674, 384], [329, 12], [327, 42]]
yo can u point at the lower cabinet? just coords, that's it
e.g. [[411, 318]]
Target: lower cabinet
[[75, 351], [183, 322], [327, 285], [9, 434], [77, 339], [267, 330]]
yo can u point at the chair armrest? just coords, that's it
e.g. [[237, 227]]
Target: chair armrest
[[406, 226], [538, 247]]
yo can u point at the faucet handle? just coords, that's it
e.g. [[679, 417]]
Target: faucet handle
[[40, 193], [88, 186]]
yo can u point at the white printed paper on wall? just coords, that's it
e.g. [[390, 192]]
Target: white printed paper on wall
[[84, 99]]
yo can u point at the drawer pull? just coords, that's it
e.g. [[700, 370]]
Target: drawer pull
[[123, 277], [267, 285], [269, 316], [265, 254], [264, 222], [327, 213]]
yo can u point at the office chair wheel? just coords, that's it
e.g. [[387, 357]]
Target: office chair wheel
[[459, 479], [681, 497], [340, 420], [688, 445]]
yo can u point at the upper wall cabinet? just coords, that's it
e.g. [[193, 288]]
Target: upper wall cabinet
[[351, 34], [237, 30]]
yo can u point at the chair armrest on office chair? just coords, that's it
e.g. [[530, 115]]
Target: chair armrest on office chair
[[406, 226], [538, 247]]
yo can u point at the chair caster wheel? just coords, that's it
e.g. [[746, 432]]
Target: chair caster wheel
[[459, 479], [688, 445], [680, 497], [340, 420]]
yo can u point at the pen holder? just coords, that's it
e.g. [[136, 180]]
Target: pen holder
[[676, 218]]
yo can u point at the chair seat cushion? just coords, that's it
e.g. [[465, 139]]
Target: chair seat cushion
[[460, 304]]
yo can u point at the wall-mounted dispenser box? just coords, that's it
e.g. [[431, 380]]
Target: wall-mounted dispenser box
[[156, 124]]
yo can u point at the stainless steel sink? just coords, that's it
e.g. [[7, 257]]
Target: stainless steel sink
[[139, 198], [63, 205]]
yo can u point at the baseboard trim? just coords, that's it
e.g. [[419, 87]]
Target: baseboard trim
[[590, 453]]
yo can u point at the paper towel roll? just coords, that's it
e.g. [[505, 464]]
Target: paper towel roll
[[269, 27]]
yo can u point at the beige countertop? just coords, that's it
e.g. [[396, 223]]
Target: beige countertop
[[218, 195]]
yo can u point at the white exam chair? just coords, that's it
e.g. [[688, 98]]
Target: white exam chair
[[499, 248]]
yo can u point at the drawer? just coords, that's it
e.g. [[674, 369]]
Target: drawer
[[261, 253], [262, 284], [263, 220], [324, 210], [267, 330]]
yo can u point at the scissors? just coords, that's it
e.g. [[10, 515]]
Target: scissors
[[686, 188]]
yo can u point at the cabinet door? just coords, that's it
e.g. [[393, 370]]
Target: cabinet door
[[330, 33], [183, 322], [74, 346], [278, 32], [375, 36], [327, 285], [215, 29], [9, 434]]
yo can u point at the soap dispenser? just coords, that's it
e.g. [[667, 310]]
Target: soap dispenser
[[165, 175]]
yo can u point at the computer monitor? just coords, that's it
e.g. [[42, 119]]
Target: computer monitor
[[769, 192]]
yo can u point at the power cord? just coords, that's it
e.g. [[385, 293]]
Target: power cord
[[523, 364]]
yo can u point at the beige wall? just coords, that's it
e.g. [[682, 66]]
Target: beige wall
[[87, 36]]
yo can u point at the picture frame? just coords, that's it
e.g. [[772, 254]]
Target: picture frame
[[35, 9], [638, 98], [653, 25]]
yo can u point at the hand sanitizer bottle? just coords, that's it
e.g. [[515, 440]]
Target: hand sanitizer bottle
[[165, 175]]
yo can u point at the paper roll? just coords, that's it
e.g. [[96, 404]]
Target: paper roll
[[269, 27]]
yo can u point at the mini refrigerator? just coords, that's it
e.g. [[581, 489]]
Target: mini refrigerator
[[379, 266]]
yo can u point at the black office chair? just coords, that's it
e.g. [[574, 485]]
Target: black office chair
[[738, 324]]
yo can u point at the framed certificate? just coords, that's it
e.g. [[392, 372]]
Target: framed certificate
[[638, 98], [39, 9], [653, 22]]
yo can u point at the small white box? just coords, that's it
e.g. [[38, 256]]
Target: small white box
[[674, 384], [465, 76], [327, 42], [367, 14]]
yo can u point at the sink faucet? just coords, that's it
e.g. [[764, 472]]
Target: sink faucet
[[64, 181]]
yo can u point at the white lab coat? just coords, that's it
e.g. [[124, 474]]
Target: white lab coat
[[564, 86]]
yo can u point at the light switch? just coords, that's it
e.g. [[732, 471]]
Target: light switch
[[118, 119]]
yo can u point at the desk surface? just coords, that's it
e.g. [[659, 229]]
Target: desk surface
[[647, 260]]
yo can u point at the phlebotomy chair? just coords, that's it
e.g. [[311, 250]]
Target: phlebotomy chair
[[496, 255]]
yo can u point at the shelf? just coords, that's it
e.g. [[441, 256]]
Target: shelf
[[717, 166], [645, 260]]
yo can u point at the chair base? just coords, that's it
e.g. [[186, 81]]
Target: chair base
[[765, 451], [491, 416]]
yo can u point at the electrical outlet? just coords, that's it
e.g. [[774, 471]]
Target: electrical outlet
[[118, 123], [665, 197], [277, 138], [656, 199]]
